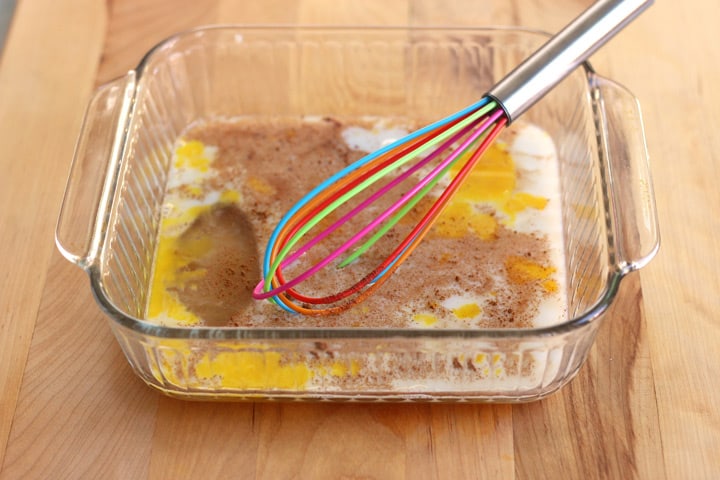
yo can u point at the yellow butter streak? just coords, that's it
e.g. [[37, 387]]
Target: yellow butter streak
[[522, 270], [245, 367], [425, 319], [172, 257], [192, 155], [492, 182], [174, 254], [253, 370], [469, 310], [260, 185]]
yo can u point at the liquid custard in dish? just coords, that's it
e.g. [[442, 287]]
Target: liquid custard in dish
[[494, 259]]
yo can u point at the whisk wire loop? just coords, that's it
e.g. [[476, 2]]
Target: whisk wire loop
[[322, 188], [457, 127], [282, 257], [379, 275]]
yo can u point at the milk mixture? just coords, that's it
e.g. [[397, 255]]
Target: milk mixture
[[494, 259]]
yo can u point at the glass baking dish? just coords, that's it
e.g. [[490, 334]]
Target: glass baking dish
[[112, 208]]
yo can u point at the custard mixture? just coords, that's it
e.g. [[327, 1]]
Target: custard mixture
[[494, 258]]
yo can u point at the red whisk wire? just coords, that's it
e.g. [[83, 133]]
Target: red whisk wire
[[398, 256], [339, 189]]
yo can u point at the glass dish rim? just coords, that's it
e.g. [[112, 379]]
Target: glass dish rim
[[615, 274]]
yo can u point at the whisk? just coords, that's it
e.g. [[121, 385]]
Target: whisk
[[452, 144]]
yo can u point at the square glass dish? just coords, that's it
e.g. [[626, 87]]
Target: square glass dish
[[113, 205]]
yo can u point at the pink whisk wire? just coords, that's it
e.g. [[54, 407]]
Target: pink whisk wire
[[477, 127]]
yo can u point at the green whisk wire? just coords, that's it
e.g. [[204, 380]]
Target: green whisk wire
[[282, 257]]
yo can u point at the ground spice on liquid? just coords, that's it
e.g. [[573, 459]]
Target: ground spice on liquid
[[494, 279]]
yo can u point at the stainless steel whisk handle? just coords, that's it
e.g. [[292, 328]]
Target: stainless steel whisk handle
[[564, 52]]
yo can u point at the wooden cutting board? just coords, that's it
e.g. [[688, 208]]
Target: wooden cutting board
[[643, 406]]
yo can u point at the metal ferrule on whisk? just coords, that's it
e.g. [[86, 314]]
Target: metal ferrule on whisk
[[564, 52]]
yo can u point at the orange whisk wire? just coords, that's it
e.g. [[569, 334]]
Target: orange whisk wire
[[289, 298]]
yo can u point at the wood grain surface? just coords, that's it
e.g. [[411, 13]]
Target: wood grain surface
[[643, 406]]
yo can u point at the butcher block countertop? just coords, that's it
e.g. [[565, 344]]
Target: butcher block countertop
[[645, 404]]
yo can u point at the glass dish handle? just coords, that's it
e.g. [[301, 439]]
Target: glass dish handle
[[632, 209], [91, 183]]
